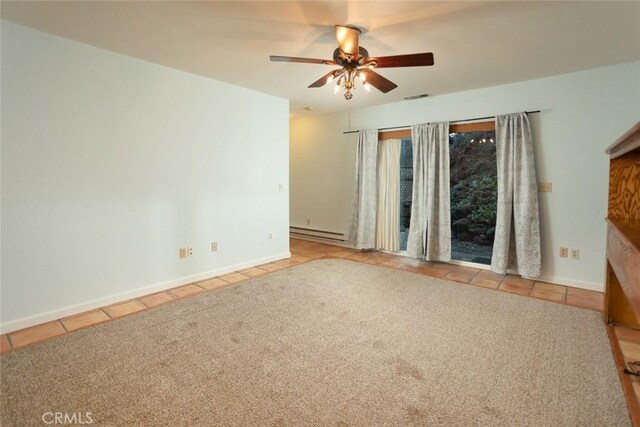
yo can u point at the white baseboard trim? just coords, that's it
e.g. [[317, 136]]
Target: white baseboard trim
[[599, 287], [37, 319]]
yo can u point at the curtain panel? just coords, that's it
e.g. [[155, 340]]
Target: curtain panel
[[517, 239], [362, 232], [388, 217], [430, 227]]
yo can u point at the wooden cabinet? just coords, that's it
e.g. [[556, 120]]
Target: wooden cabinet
[[622, 296]]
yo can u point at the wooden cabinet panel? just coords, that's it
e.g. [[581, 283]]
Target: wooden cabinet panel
[[622, 297], [624, 259], [624, 181]]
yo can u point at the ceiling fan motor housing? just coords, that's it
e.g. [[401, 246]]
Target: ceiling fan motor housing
[[347, 60]]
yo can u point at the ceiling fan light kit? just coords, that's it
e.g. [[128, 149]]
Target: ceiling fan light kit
[[355, 62]]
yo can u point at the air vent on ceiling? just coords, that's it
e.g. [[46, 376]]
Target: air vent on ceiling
[[422, 95]]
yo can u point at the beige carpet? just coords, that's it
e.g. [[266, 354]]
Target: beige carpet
[[332, 342]]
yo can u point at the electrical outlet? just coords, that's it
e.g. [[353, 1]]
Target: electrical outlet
[[190, 251], [214, 246], [280, 186], [308, 221], [270, 236], [183, 253], [575, 253], [564, 252], [544, 187]]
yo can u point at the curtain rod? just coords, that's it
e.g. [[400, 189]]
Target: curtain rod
[[452, 121]]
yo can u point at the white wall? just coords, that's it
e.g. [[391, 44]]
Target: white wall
[[582, 113], [322, 162], [110, 164]]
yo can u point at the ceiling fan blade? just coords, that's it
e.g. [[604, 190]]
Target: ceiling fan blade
[[413, 60], [348, 40], [322, 80], [275, 58], [376, 80]]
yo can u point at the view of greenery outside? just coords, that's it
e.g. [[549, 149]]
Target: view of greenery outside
[[474, 195]]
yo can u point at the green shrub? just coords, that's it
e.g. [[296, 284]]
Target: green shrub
[[473, 177], [475, 198]]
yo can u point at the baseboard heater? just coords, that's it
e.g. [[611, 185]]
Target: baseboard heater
[[317, 234]]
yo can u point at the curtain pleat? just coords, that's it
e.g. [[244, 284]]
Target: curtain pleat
[[430, 226], [362, 233], [517, 238], [388, 217]]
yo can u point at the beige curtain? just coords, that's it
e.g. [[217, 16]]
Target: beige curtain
[[363, 221], [517, 240], [388, 209], [430, 228]]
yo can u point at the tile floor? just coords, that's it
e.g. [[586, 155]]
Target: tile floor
[[304, 251]]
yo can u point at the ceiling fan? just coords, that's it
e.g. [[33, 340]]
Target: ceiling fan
[[356, 62]]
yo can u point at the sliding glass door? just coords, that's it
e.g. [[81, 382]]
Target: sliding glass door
[[474, 194], [473, 190], [406, 189]]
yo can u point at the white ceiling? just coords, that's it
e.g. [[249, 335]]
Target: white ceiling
[[475, 44]]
